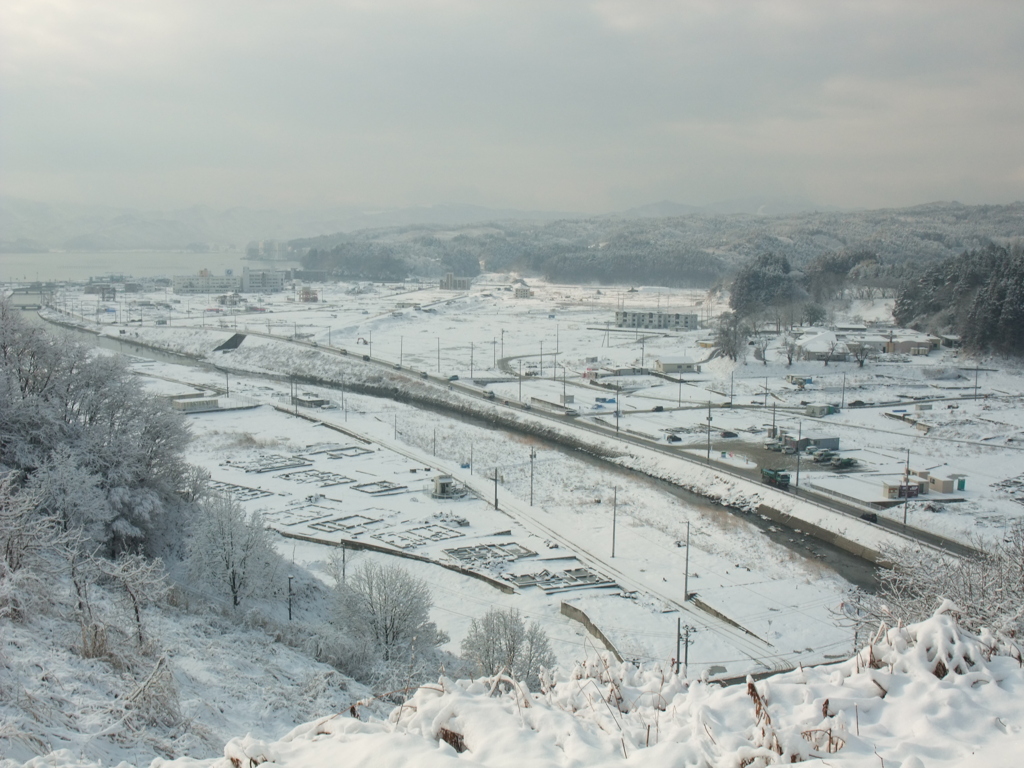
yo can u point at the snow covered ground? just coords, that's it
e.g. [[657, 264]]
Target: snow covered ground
[[778, 591]]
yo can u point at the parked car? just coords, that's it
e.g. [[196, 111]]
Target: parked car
[[789, 449], [453, 378], [366, 357], [423, 374], [674, 439], [659, 408], [727, 433], [773, 445]]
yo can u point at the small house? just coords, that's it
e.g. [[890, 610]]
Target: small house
[[676, 365], [196, 405], [817, 411], [310, 400]]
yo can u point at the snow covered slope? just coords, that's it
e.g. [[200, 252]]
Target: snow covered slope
[[929, 694]]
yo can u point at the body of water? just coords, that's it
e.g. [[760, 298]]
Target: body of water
[[79, 266]]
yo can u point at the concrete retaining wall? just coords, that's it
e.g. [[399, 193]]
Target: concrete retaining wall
[[574, 613]]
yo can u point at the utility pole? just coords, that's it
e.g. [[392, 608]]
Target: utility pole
[[732, 377], [679, 636], [906, 489], [766, 391], [643, 348], [615, 510], [495, 487], [686, 650], [563, 385], [227, 385], [842, 401], [686, 566], [977, 367], [520, 380], [533, 455], [679, 396], [799, 450], [503, 343], [435, 441], [542, 359], [709, 432], [290, 577], [494, 352]]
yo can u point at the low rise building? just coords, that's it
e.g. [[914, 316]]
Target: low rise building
[[673, 321], [452, 283], [680, 364]]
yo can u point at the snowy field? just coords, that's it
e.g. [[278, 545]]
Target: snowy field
[[782, 597]]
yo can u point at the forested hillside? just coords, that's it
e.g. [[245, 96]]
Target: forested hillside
[[978, 295], [695, 250]]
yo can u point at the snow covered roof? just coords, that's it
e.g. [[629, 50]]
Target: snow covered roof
[[822, 342]]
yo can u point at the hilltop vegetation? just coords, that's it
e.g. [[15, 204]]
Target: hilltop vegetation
[[695, 250]]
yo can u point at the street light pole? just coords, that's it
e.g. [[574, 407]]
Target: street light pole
[[290, 577]]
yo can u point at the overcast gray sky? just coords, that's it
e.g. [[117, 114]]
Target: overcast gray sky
[[587, 106]]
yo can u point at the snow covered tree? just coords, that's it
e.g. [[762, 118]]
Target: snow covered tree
[[388, 609], [501, 640], [141, 582], [28, 542], [231, 553], [79, 417]]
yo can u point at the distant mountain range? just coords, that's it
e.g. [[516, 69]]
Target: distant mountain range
[[27, 226]]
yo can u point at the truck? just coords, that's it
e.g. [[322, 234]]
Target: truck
[[777, 477], [839, 462]]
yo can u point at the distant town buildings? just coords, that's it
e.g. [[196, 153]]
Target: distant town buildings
[[452, 283], [267, 250], [522, 292], [671, 321], [250, 281]]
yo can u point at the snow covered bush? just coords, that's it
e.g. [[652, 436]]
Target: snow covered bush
[[988, 588], [500, 641]]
